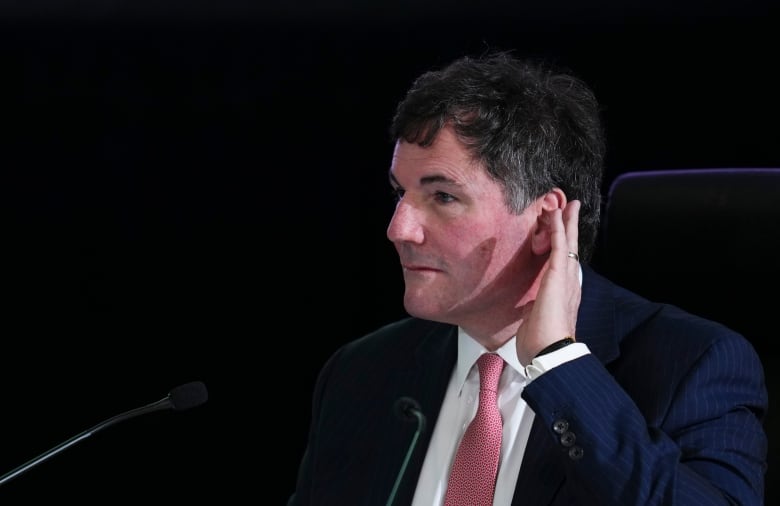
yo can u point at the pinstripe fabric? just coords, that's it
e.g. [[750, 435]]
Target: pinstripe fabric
[[688, 410]]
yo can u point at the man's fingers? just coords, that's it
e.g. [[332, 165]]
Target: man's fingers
[[571, 215]]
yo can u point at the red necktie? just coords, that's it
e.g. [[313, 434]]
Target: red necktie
[[473, 476]]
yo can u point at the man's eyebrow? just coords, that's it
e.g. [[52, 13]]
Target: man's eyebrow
[[436, 178]]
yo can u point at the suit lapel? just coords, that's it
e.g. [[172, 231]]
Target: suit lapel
[[426, 381]]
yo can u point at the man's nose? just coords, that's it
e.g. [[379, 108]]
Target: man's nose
[[405, 224]]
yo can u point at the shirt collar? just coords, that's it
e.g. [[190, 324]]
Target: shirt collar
[[470, 350]]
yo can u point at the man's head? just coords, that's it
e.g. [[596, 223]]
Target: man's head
[[485, 150], [531, 127]]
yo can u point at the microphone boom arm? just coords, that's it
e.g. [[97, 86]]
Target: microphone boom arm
[[188, 395]]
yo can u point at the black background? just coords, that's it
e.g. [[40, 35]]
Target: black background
[[197, 191]]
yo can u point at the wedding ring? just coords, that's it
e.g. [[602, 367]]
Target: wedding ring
[[573, 255]]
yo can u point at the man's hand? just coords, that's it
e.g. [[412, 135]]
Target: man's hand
[[553, 315]]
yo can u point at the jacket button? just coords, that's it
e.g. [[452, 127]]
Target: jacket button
[[576, 453], [568, 438], [560, 426]]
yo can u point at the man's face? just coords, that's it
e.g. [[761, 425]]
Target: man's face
[[462, 251]]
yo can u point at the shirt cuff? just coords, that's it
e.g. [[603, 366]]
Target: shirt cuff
[[540, 365]]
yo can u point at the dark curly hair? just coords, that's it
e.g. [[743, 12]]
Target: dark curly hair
[[533, 127]]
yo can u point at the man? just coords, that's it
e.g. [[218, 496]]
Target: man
[[605, 398]]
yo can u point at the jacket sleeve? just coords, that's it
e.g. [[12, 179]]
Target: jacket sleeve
[[666, 425]]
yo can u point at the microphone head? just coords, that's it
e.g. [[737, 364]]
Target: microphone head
[[408, 410], [188, 395]]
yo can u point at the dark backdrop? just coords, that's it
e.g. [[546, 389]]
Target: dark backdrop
[[199, 192]]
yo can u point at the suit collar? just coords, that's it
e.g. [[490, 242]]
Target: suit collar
[[608, 313], [596, 318]]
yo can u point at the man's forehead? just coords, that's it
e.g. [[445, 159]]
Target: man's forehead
[[446, 162]]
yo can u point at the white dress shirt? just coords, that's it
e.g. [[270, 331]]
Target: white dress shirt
[[460, 406]]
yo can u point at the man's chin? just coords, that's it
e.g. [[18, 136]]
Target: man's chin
[[422, 307]]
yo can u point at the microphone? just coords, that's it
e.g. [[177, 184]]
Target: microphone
[[408, 410], [183, 397]]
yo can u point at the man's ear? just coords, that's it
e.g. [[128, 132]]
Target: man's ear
[[541, 242]]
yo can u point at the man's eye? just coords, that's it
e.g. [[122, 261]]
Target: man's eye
[[444, 198], [398, 193]]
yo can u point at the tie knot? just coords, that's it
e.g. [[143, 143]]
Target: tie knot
[[490, 366]]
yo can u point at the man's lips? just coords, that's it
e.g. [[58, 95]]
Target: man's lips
[[419, 268]]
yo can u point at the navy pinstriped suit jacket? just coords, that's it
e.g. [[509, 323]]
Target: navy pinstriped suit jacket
[[668, 406]]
